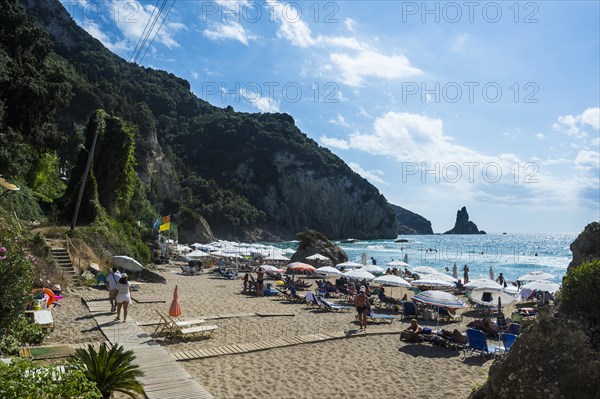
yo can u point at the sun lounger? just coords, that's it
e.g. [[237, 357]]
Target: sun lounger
[[445, 315], [43, 318], [167, 325], [409, 309], [312, 301], [378, 317], [508, 340], [188, 271], [333, 307], [197, 330]]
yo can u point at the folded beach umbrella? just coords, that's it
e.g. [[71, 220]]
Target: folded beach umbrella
[[359, 274], [393, 281], [542, 286], [175, 309], [491, 273], [440, 298], [535, 276], [454, 271], [328, 270]]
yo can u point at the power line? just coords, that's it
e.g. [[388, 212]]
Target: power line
[[144, 32], [149, 31], [158, 30]]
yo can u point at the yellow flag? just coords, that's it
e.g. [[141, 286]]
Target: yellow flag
[[166, 226]]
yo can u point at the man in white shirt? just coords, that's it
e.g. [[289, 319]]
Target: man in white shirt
[[112, 280]]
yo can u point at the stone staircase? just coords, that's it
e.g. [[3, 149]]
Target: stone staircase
[[62, 258]]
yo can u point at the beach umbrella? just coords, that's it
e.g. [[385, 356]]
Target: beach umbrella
[[299, 266], [276, 257], [127, 263], [491, 273], [511, 289], [328, 270], [439, 276], [405, 258], [439, 298], [397, 263], [359, 274], [424, 270], [197, 254], [481, 283], [373, 269], [488, 296], [500, 319], [175, 309], [391, 280], [431, 282], [317, 257], [542, 286], [348, 265], [269, 268], [535, 276]]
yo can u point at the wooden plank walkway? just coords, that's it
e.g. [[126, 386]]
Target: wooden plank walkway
[[234, 349], [163, 377], [217, 317]]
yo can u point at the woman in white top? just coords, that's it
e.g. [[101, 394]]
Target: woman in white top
[[123, 296]]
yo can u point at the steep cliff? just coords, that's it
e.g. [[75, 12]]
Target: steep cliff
[[463, 225], [249, 175], [586, 246], [411, 223]]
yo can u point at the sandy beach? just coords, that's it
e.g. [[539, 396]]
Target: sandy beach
[[373, 366]]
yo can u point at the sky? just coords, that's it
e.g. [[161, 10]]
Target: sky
[[489, 105]]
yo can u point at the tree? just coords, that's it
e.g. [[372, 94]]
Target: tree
[[112, 370]]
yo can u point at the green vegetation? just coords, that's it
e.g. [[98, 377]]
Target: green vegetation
[[579, 292], [24, 379], [111, 370]]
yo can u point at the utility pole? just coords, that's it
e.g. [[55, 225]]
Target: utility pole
[[84, 178]]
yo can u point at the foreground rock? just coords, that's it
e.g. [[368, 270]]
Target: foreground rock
[[463, 225], [312, 242], [193, 228], [586, 246], [559, 355]]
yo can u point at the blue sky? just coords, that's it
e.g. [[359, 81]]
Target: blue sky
[[489, 105]]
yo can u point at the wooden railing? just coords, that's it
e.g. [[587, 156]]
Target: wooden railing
[[73, 253]]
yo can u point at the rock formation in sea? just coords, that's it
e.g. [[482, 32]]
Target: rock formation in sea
[[312, 242], [463, 225], [558, 355]]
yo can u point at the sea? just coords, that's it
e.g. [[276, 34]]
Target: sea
[[513, 255]]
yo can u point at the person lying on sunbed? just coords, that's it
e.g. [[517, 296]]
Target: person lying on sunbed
[[414, 327]]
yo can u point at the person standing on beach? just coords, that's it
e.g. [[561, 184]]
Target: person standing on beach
[[260, 277], [360, 301], [465, 274], [112, 280], [123, 297]]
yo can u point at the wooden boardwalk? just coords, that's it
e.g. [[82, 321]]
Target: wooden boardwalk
[[163, 377], [234, 349]]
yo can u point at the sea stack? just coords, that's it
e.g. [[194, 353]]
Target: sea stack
[[463, 225]]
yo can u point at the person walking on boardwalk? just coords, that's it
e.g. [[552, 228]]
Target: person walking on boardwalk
[[112, 279], [123, 297]]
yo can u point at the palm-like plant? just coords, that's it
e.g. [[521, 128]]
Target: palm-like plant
[[112, 370]]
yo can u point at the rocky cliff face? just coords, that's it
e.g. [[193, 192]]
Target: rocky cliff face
[[586, 246], [463, 225], [312, 242], [411, 223]]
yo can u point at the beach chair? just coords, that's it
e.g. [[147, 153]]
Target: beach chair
[[508, 340], [409, 309], [514, 328], [378, 317], [445, 315], [333, 307], [101, 280], [476, 341], [196, 330]]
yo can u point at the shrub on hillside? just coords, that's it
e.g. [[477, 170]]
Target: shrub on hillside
[[580, 291]]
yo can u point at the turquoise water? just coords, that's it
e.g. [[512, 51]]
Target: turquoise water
[[511, 254]]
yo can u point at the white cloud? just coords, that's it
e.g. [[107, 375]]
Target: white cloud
[[587, 160], [263, 104], [363, 112], [335, 143], [540, 136], [374, 176], [95, 31], [350, 24], [596, 141], [369, 63], [228, 30], [195, 74], [340, 121], [573, 125], [459, 42], [291, 26]]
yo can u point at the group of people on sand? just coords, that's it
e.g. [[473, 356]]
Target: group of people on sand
[[119, 292]]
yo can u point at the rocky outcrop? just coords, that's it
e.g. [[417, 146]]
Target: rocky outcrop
[[411, 223], [312, 242], [463, 225], [193, 228], [586, 246]]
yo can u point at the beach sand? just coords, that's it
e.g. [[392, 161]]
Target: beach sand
[[373, 366]]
